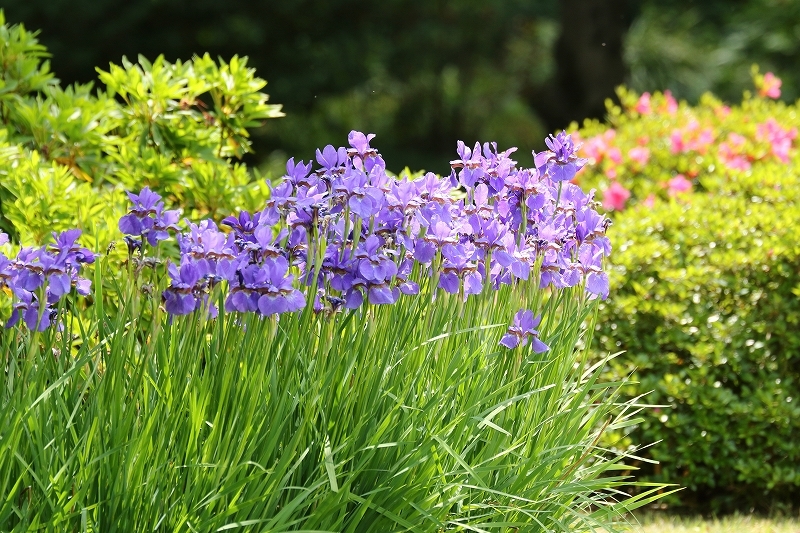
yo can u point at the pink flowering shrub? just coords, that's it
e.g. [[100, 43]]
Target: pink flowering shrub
[[655, 147], [705, 286]]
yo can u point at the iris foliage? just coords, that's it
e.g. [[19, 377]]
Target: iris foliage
[[339, 361]]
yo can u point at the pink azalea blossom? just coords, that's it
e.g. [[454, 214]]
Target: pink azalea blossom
[[649, 201], [677, 145], [779, 138], [722, 111], [615, 197], [732, 152], [770, 86], [691, 138], [615, 155], [640, 154], [679, 185], [671, 105], [643, 106], [596, 147]]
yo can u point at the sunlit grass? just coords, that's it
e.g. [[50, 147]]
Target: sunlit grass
[[730, 524]]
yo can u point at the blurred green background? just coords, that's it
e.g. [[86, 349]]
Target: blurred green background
[[422, 74]]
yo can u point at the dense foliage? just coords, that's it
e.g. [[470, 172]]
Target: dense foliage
[[68, 153], [357, 375], [707, 286], [358, 352]]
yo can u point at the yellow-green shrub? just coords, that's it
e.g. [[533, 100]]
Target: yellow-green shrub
[[178, 128]]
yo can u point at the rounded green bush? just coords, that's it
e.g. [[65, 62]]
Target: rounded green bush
[[705, 305]]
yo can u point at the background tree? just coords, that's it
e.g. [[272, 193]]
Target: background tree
[[423, 74]]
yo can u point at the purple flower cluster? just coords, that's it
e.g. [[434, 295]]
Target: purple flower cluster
[[147, 220], [358, 235], [38, 278]]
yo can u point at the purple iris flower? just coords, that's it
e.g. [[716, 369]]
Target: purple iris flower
[[375, 266], [366, 201], [439, 234], [459, 265], [66, 245], [467, 158], [242, 225], [522, 329], [403, 274], [7, 271], [591, 228], [266, 289], [27, 310], [163, 221], [330, 157], [382, 294], [54, 269], [281, 197], [403, 196], [138, 219], [553, 265], [179, 297], [147, 217], [30, 274], [361, 149], [596, 279], [296, 174], [434, 189], [517, 260], [560, 162]]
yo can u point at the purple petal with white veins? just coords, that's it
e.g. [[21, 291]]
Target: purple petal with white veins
[[381, 294], [270, 304], [59, 284], [538, 346], [509, 341], [597, 283], [449, 282]]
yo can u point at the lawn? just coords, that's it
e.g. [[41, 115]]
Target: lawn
[[731, 524]]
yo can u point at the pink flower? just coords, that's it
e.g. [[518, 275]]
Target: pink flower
[[679, 185], [615, 197], [615, 155], [597, 147], [732, 152], [677, 145], [640, 154], [722, 111], [671, 104], [770, 86], [649, 201], [705, 138], [643, 105], [779, 138]]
